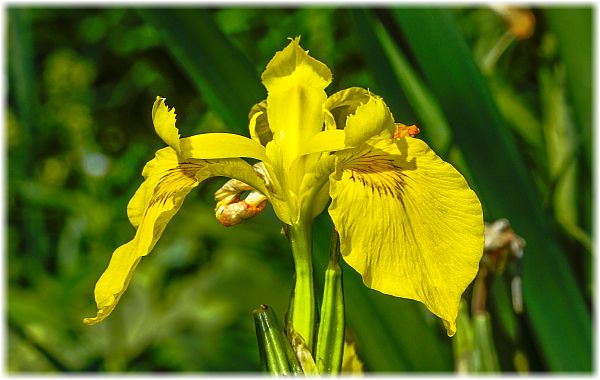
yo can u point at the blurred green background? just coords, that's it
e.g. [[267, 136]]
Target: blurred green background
[[504, 97]]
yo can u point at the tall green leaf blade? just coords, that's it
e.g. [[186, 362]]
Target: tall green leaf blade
[[381, 67], [574, 30], [554, 305], [224, 76], [22, 70], [396, 76]]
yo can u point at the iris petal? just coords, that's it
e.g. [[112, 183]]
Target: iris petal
[[408, 223], [344, 103], [296, 94], [221, 145], [326, 141], [171, 181], [369, 120], [164, 123], [168, 181], [259, 124]]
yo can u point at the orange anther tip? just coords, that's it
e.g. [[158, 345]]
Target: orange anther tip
[[403, 130], [413, 130]]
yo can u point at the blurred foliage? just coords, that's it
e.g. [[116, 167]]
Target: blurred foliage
[[81, 83]]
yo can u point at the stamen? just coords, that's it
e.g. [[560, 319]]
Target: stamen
[[404, 130]]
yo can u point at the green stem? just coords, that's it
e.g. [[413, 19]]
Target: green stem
[[303, 307], [330, 340]]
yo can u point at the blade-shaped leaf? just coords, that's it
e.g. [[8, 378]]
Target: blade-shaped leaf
[[393, 70], [574, 29], [223, 75]]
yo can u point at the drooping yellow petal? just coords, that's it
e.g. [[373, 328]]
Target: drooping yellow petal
[[296, 85], [408, 223], [168, 181], [172, 182], [221, 145], [165, 160], [164, 123]]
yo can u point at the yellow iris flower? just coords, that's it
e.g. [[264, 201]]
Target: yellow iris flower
[[408, 221]]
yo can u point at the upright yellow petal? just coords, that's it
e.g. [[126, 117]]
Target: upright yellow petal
[[344, 103], [296, 85], [369, 120], [164, 123], [360, 113], [408, 223]]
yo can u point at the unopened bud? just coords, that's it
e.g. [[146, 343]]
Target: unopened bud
[[230, 210]]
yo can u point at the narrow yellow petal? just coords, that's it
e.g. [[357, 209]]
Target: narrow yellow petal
[[326, 141], [408, 223], [221, 145], [164, 123], [259, 124], [274, 166], [296, 85]]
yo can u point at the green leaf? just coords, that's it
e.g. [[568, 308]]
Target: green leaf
[[573, 29], [503, 184], [381, 69], [394, 73], [22, 68]]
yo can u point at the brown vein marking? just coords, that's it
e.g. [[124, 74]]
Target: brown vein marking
[[184, 175], [378, 173]]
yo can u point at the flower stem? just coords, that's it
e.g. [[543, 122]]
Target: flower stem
[[303, 307]]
